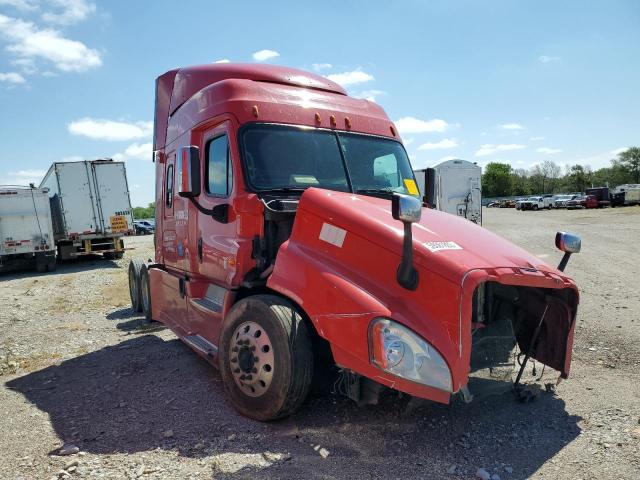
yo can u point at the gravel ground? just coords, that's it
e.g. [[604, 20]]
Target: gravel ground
[[78, 368]]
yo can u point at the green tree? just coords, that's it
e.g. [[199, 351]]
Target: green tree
[[578, 178], [630, 159], [142, 212], [496, 180]]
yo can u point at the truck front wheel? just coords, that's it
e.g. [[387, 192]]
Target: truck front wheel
[[266, 358]]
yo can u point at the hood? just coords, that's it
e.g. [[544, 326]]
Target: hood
[[444, 243]]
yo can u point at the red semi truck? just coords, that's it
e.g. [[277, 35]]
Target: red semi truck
[[291, 238]]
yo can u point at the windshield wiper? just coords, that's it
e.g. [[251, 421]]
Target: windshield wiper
[[282, 190], [375, 191]]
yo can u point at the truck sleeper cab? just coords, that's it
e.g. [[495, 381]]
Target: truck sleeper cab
[[290, 236]]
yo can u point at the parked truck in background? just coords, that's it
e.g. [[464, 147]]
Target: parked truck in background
[[26, 234], [291, 241], [90, 207], [601, 194], [627, 194], [455, 186]]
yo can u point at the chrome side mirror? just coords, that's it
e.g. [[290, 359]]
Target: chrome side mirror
[[568, 242], [406, 208]]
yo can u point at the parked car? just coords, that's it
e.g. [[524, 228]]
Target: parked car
[[535, 203], [143, 228], [561, 200], [587, 201], [601, 194]]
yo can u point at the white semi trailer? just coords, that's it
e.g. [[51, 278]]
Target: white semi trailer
[[90, 207], [453, 186], [26, 233]]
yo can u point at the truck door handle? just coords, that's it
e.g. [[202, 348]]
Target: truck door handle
[[200, 249]]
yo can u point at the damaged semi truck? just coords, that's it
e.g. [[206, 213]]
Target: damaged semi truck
[[291, 237]]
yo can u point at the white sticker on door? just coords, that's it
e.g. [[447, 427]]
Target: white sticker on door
[[332, 234], [437, 246]]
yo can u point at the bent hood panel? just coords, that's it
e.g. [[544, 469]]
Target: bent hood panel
[[473, 247]]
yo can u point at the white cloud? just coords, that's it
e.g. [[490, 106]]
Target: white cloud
[[224, 60], [407, 141], [370, 95], [11, 77], [415, 125], [511, 126], [536, 139], [27, 41], [99, 129], [618, 151], [135, 151], [264, 55], [68, 12], [22, 5], [549, 59], [443, 144], [350, 78], [548, 151], [489, 148], [25, 177], [321, 66]]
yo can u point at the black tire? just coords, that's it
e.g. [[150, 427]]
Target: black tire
[[292, 355], [134, 284], [535, 207], [145, 293]]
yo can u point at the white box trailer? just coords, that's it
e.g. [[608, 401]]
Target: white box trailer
[[90, 207], [26, 233], [453, 186]]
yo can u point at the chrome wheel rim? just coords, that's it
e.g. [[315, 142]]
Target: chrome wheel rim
[[251, 359]]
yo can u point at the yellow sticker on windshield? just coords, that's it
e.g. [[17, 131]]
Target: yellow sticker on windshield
[[412, 188]]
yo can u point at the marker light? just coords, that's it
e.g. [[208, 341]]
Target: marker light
[[399, 351]]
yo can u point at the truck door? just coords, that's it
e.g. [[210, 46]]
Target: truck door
[[216, 242], [112, 193]]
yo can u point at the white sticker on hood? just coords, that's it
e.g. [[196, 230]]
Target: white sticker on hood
[[332, 234], [437, 246]]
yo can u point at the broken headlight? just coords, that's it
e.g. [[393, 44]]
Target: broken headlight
[[399, 351]]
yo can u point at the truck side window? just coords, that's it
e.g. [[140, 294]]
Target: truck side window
[[169, 191], [219, 171]]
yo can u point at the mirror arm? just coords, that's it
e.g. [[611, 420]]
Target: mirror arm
[[220, 213], [407, 275], [563, 263]]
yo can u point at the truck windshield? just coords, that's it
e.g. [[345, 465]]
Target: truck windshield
[[281, 158]]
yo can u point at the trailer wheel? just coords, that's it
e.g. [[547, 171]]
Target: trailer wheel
[[134, 284], [266, 358], [145, 293]]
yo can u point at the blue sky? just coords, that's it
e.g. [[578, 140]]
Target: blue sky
[[520, 82]]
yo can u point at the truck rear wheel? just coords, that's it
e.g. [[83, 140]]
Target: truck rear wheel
[[145, 293], [41, 262], [134, 284], [266, 357]]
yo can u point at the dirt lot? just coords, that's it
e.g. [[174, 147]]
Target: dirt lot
[[77, 367]]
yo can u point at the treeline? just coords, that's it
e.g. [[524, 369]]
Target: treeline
[[142, 212], [501, 180]]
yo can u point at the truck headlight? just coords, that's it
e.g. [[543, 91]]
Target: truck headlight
[[399, 351]]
